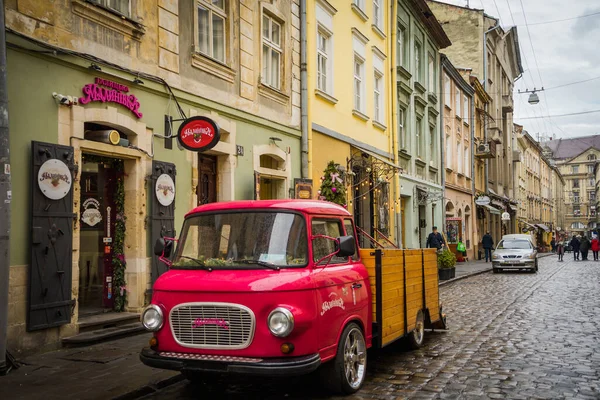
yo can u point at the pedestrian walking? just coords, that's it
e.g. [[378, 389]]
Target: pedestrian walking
[[574, 243], [460, 247], [584, 248], [595, 247], [435, 239], [560, 249], [553, 245], [488, 243]]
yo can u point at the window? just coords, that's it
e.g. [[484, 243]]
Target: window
[[448, 152], [359, 83], [378, 98], [590, 169], [432, 155], [591, 157], [459, 166], [323, 247], [402, 129], [447, 91], [378, 13], [123, 7], [575, 169], [465, 109], [431, 73], [271, 56], [592, 196], [211, 29], [418, 75], [591, 182], [457, 102], [324, 61], [420, 140], [467, 163], [401, 53], [576, 198]]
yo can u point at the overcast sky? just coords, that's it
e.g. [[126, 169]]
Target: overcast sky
[[566, 52]]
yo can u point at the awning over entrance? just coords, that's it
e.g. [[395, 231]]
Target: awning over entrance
[[544, 227], [492, 210]]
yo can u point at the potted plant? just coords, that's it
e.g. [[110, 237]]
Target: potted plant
[[446, 265]]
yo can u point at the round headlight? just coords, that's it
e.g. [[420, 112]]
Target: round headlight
[[152, 318], [281, 322]]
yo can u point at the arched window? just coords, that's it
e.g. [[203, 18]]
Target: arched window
[[449, 209], [577, 225]]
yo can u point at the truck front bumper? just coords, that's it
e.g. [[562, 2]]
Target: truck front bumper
[[289, 366]]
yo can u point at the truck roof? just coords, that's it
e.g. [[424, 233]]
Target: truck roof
[[306, 206]]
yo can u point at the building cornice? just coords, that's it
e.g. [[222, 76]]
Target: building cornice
[[430, 22]]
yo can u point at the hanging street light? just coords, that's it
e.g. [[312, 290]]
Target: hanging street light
[[533, 97]]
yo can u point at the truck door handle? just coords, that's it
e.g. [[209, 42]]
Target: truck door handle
[[357, 286]]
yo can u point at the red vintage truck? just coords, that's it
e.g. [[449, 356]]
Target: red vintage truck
[[281, 288]]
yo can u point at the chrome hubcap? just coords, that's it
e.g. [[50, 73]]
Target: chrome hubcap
[[419, 331], [355, 358]]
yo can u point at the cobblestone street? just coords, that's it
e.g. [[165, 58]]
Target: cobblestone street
[[512, 335]]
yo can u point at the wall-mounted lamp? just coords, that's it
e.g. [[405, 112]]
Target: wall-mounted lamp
[[95, 67], [275, 139], [138, 81]]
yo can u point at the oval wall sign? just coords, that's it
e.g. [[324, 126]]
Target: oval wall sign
[[165, 190], [54, 179], [198, 134]]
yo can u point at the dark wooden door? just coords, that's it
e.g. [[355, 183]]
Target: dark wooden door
[[207, 179], [50, 273], [163, 216]]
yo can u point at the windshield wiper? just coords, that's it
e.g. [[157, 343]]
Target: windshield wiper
[[199, 263], [259, 262]]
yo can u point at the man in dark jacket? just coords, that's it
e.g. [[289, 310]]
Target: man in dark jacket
[[584, 247], [435, 239], [488, 243], [574, 243]]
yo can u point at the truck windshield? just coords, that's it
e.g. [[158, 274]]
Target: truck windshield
[[241, 240]]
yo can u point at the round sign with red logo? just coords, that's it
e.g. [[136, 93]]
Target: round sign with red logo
[[199, 134]]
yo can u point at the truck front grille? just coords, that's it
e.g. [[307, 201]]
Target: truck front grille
[[212, 325]]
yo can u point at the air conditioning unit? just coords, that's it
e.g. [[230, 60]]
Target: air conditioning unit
[[483, 148]]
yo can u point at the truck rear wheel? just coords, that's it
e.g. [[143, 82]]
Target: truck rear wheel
[[417, 336], [346, 372]]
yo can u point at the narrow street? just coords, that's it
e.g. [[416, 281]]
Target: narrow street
[[512, 335]]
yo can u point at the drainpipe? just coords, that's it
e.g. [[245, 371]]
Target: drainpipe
[[442, 143], [473, 207], [303, 91], [485, 130], [393, 124], [5, 197]]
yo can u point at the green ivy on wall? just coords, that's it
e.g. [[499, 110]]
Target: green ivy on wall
[[119, 287]]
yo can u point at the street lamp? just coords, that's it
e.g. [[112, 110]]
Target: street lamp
[[533, 96]]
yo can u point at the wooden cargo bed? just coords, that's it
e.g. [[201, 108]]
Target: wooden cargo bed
[[403, 282]]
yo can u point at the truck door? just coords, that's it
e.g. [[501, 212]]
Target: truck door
[[333, 281]]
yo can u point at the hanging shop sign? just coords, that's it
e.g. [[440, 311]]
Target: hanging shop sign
[[54, 179], [105, 91], [482, 201], [505, 216], [199, 134], [165, 190], [91, 215]]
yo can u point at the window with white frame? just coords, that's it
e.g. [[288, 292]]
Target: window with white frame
[[359, 83], [432, 152], [448, 151], [457, 101], [378, 13], [401, 46], [212, 19], [271, 52], [420, 139], [447, 91], [418, 66], [402, 129], [324, 61], [123, 7], [377, 96], [459, 160], [467, 168], [359, 3], [465, 109], [590, 169], [431, 73]]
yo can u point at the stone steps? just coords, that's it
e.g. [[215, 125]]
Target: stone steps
[[102, 327]]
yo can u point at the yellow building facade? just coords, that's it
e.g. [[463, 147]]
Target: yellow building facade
[[349, 108]]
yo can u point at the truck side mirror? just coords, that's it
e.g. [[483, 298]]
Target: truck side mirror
[[163, 247], [347, 246]]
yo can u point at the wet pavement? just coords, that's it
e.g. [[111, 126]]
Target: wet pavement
[[512, 335]]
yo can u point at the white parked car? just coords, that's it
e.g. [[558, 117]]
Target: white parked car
[[515, 252]]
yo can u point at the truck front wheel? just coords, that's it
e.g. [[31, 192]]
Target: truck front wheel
[[346, 373]]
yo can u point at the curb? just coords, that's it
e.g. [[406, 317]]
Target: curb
[[464, 276], [150, 388]]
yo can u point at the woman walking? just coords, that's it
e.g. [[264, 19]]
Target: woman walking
[[560, 249], [595, 247], [584, 247]]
